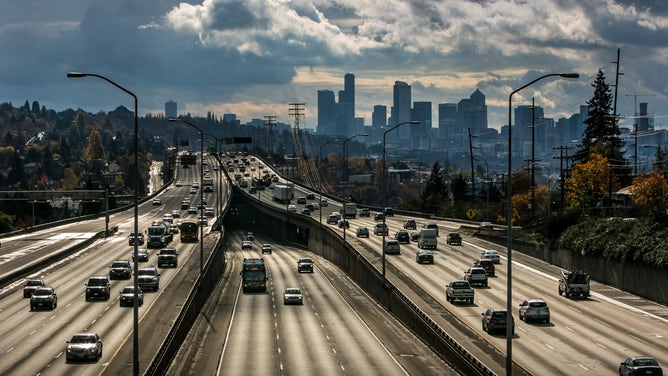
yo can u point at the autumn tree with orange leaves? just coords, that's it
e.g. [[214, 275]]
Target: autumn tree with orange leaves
[[588, 184], [651, 192]]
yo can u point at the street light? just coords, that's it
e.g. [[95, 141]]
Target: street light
[[320, 191], [486, 181], [219, 207], [345, 181], [135, 319], [201, 191], [509, 216], [414, 122]]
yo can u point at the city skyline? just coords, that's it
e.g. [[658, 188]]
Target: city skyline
[[254, 58]]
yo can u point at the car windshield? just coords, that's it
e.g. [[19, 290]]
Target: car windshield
[[460, 284], [42, 292], [119, 265], [128, 290], [34, 283], [97, 282], [305, 261], [83, 338], [537, 304], [499, 314], [168, 251], [293, 291], [146, 272], [644, 362]]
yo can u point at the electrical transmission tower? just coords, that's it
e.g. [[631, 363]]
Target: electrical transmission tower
[[269, 122]]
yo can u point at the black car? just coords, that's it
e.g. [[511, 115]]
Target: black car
[[640, 365], [128, 295], [402, 236], [378, 217], [44, 298], [496, 319], [120, 270], [142, 255], [98, 287], [453, 238], [305, 265]]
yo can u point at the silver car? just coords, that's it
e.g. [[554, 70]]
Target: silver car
[[84, 346], [293, 295], [534, 309]]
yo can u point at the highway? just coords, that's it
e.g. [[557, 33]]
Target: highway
[[584, 337], [33, 343], [338, 329]]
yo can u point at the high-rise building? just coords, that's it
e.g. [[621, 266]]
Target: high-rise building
[[170, 110], [472, 113], [379, 116], [447, 120], [401, 112], [421, 134], [326, 112]]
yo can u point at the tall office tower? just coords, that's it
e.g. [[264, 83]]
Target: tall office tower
[[326, 112], [643, 119], [447, 121], [522, 127], [347, 104], [379, 116], [401, 112], [420, 134], [170, 109], [473, 113]]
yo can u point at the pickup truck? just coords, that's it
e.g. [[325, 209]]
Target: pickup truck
[[575, 283], [459, 290]]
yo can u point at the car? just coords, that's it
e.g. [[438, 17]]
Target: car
[[381, 229], [415, 235], [128, 296], [301, 200], [453, 238], [84, 346], [305, 264], [333, 219], [178, 183], [185, 205], [476, 276], [252, 190], [392, 247], [30, 286], [194, 185], [312, 207], [389, 212], [140, 238], [250, 236], [432, 226], [492, 255], [293, 295], [305, 211], [410, 224], [120, 269], [266, 248], [324, 202], [192, 191], [167, 218], [142, 255], [402, 236], [496, 319], [486, 226], [148, 279], [343, 223], [364, 212], [310, 196], [378, 217], [424, 256], [174, 228], [362, 232], [192, 210], [640, 365], [203, 221], [168, 256], [534, 310], [486, 264], [292, 208], [44, 297], [176, 213], [97, 287], [156, 202]]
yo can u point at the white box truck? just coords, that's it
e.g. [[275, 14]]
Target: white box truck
[[283, 193], [427, 238]]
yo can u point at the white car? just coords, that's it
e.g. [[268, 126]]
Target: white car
[[293, 295], [246, 245], [492, 255], [266, 248], [84, 346]]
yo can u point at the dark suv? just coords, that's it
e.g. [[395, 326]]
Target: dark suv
[[496, 319], [120, 270], [98, 288], [486, 264], [168, 256], [305, 264]]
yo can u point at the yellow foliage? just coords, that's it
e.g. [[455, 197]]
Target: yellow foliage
[[651, 191], [589, 180]]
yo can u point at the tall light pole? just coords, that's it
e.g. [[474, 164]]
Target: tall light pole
[[345, 180], [135, 319], [320, 191], [219, 207], [414, 122], [201, 191], [486, 181], [509, 216]]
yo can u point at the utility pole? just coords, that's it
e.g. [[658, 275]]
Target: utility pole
[[533, 161], [472, 170], [269, 122], [614, 119], [562, 175]]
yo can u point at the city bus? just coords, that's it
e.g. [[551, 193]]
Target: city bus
[[189, 231]]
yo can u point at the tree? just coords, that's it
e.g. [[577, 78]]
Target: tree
[[600, 122], [70, 180], [95, 153], [435, 193], [651, 192], [588, 183]]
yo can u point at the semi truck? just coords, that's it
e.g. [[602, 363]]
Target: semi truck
[[283, 193], [575, 283], [349, 210], [159, 235], [253, 275]]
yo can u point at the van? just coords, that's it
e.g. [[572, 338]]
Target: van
[[431, 226], [292, 208], [427, 238]]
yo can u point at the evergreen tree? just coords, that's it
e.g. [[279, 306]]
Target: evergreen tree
[[435, 193]]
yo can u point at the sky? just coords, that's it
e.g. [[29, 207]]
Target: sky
[[254, 57]]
